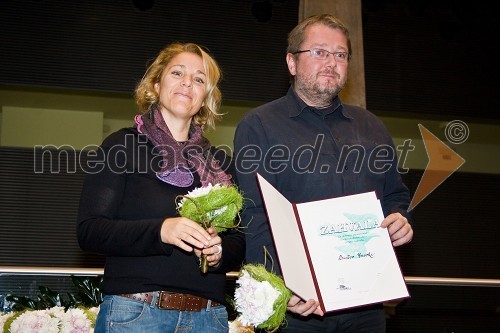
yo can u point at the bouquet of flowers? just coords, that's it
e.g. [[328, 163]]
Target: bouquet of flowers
[[260, 298], [212, 206], [50, 312], [55, 319]]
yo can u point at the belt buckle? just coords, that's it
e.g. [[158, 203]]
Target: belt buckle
[[159, 298]]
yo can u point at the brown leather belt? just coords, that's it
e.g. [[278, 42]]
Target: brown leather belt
[[173, 301]]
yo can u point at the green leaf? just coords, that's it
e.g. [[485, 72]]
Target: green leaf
[[88, 295], [50, 298], [21, 302], [88, 290]]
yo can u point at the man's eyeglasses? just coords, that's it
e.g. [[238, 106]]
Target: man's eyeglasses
[[321, 54]]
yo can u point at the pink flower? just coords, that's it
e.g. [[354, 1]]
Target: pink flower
[[75, 321], [35, 322], [53, 320]]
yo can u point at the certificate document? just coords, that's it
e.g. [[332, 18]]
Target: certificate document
[[334, 250]]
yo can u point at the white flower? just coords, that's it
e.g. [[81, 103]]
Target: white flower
[[4, 317], [53, 320], [217, 212], [94, 310], [254, 299], [75, 321], [236, 326], [199, 192], [56, 311], [35, 322]]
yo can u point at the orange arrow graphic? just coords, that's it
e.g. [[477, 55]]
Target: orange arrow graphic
[[443, 161]]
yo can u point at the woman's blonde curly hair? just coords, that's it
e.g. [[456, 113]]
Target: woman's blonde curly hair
[[147, 98]]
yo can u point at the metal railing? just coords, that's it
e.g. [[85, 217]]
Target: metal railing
[[411, 280]]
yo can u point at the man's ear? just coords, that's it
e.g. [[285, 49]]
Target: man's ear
[[291, 62]]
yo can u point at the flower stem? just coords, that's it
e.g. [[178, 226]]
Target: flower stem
[[203, 257], [203, 263]]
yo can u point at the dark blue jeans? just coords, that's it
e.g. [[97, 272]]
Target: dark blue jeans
[[123, 315], [371, 320]]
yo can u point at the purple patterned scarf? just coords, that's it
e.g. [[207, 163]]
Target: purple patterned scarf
[[180, 158]]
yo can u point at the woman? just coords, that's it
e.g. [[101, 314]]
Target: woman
[[152, 279]]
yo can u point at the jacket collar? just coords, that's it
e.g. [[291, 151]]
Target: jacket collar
[[296, 105]]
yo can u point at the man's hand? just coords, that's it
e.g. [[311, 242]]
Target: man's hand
[[399, 229], [298, 306]]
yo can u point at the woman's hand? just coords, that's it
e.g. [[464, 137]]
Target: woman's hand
[[214, 250], [190, 236], [185, 234]]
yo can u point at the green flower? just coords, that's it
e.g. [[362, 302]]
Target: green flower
[[212, 206]]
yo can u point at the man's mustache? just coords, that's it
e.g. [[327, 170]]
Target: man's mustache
[[330, 72]]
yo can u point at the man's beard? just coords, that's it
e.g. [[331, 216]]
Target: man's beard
[[319, 94]]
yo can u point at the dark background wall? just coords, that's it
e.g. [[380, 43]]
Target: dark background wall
[[105, 46], [421, 57], [432, 58]]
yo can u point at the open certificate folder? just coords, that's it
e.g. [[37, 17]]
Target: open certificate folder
[[334, 250]]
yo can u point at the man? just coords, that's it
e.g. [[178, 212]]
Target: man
[[311, 146]]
